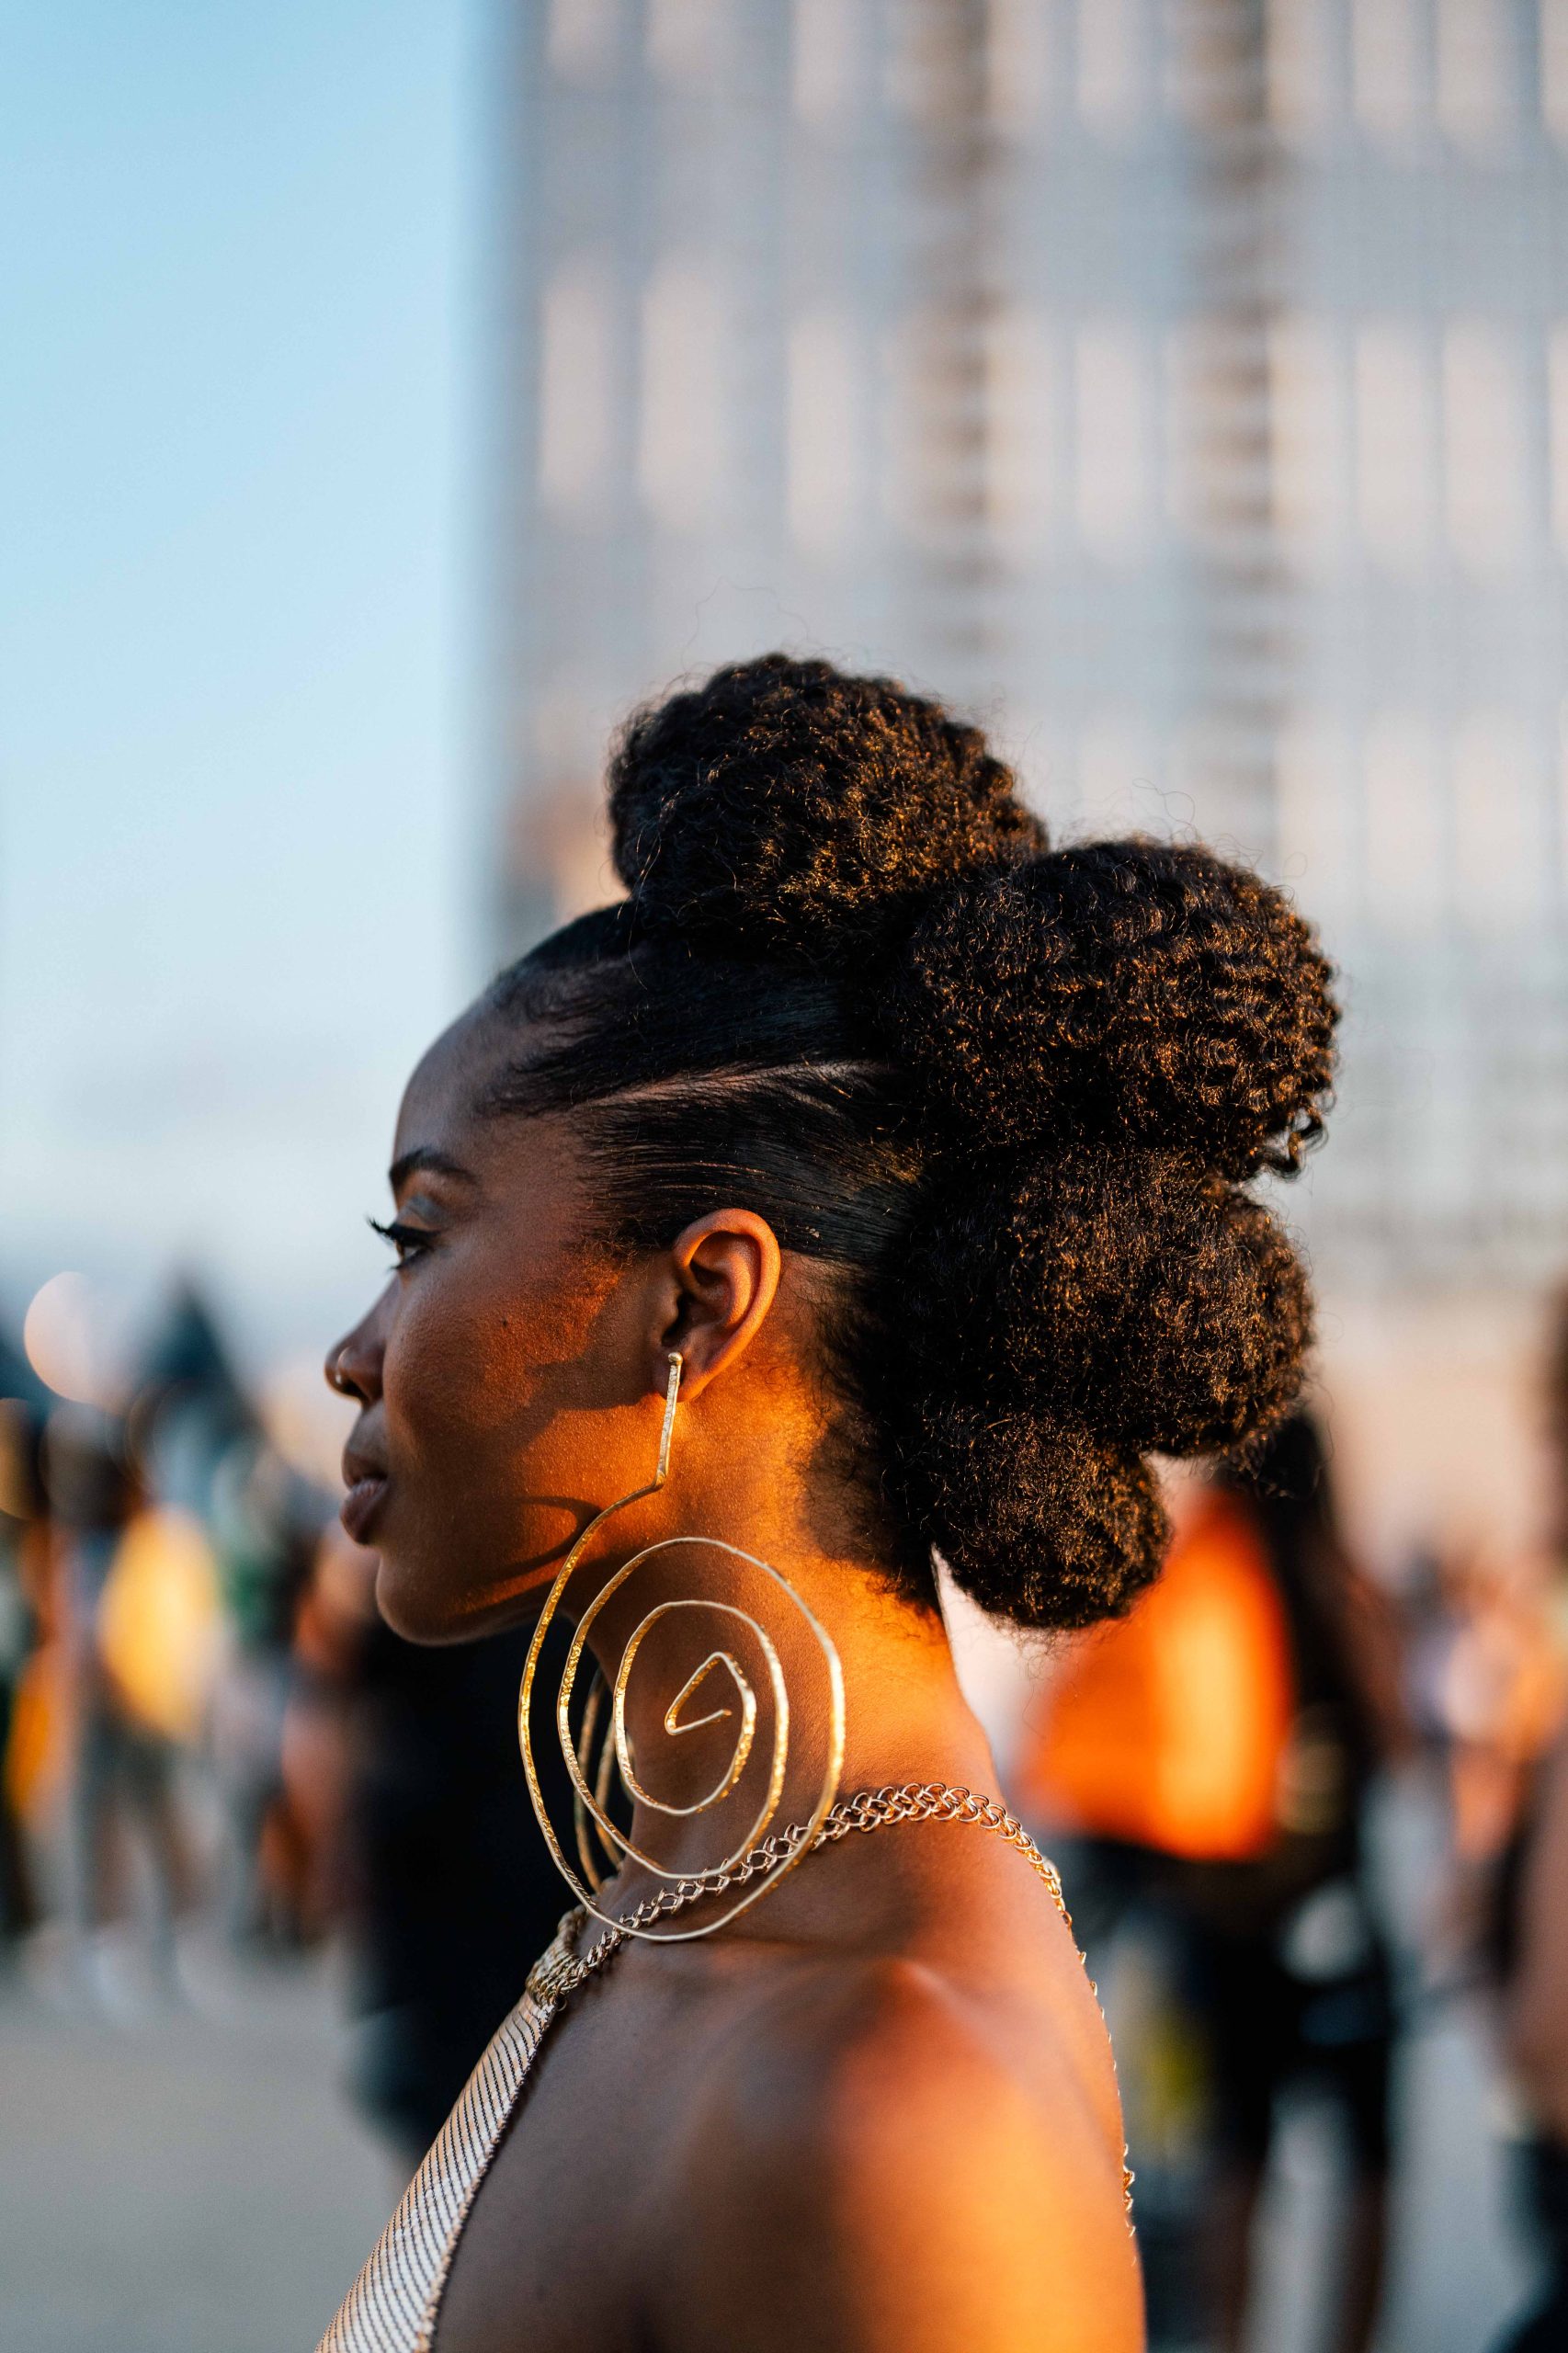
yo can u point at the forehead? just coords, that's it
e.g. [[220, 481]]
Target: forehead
[[442, 1110], [522, 1177], [441, 1099]]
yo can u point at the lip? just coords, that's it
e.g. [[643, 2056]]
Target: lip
[[360, 1506]]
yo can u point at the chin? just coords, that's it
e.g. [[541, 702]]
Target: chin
[[411, 1609], [419, 1607]]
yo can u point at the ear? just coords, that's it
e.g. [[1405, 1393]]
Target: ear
[[717, 1285]]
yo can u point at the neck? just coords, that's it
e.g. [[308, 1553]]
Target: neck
[[742, 1595]]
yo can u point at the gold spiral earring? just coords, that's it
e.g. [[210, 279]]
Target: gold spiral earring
[[591, 1779]]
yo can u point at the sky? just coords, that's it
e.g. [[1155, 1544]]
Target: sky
[[240, 853]]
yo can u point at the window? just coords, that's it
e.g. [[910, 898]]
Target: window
[[1474, 73], [823, 60], [908, 492], [1022, 425], [1483, 455], [824, 472], [575, 401], [1497, 849], [1110, 38], [1307, 456], [1384, 62], [1112, 467], [1393, 444], [678, 453], [1554, 66], [1299, 104], [689, 40], [1404, 828], [1310, 780], [1017, 62], [581, 38], [1557, 427], [1216, 411]]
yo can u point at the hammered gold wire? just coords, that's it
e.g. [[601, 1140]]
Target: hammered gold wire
[[582, 1826], [779, 1761], [737, 1763], [590, 1808]]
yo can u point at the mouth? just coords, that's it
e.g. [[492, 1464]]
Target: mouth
[[367, 1485], [360, 1505]]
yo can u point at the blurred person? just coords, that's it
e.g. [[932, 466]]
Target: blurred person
[[869, 1183], [405, 1778], [21, 1512], [1499, 1699], [1215, 1751], [266, 1524], [190, 1411], [132, 1613], [1488, 1664], [1536, 1976], [1531, 1920]]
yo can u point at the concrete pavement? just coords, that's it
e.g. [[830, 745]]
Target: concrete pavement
[[189, 2183]]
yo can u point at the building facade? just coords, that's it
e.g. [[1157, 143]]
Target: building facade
[[1180, 384]]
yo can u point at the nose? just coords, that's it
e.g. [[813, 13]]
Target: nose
[[354, 1367]]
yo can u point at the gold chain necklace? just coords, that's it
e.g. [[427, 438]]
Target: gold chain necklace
[[562, 1970]]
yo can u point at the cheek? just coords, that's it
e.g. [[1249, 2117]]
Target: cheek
[[469, 1369], [489, 1381], [477, 1392]]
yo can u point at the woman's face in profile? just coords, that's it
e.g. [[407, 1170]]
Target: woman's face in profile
[[497, 1372]]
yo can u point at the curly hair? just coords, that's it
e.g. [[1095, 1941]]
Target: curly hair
[[1017, 1096]]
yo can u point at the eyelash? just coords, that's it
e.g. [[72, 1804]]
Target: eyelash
[[409, 1241]]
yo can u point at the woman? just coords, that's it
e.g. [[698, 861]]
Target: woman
[[880, 1176]]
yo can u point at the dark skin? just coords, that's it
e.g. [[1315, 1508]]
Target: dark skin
[[877, 2111]]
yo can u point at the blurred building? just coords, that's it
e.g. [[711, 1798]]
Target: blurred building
[[1182, 383]]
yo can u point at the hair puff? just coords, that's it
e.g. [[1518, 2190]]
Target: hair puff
[[1037, 1520], [1130, 989], [786, 810], [1135, 1295]]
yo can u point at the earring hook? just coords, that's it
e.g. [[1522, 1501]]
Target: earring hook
[[672, 1397]]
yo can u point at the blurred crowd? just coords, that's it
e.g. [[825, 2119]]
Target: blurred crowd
[[202, 1720], [205, 1725], [1226, 1777]]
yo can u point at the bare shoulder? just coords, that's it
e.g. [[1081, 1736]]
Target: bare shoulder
[[878, 2158]]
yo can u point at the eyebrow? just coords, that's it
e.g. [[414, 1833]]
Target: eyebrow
[[426, 1157]]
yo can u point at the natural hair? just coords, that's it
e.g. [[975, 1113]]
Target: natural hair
[[1014, 1096]]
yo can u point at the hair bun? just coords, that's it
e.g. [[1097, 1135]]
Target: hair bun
[[1136, 988], [1038, 1521], [783, 809], [1134, 1303], [1131, 1293]]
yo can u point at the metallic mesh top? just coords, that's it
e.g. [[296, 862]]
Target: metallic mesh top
[[392, 2306]]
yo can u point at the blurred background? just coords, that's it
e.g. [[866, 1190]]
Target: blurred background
[[397, 394]]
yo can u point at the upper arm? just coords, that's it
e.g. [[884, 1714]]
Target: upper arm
[[887, 2184]]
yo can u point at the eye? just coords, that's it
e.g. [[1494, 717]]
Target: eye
[[410, 1242]]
